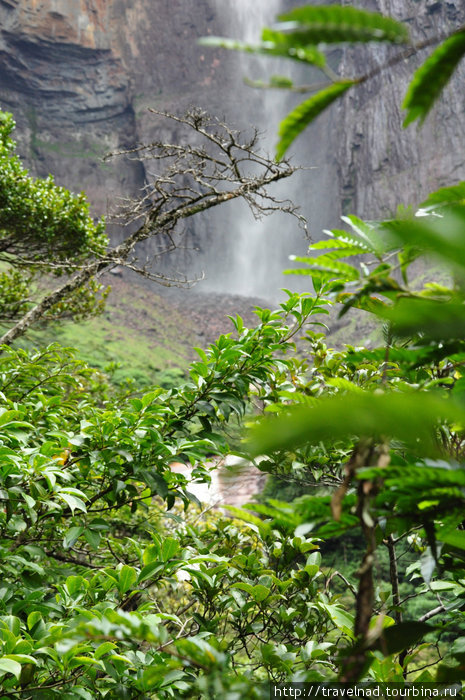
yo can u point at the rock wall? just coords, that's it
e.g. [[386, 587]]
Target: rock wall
[[78, 75], [379, 164]]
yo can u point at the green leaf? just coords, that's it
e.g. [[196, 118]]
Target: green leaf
[[368, 235], [10, 666], [293, 45], [13, 623], [73, 502], [336, 23], [103, 649], [274, 44], [328, 264], [33, 618], [432, 76], [439, 320], [445, 196], [127, 578], [411, 418], [306, 112], [71, 536], [398, 637], [147, 571], [74, 584], [440, 236], [259, 593], [454, 538], [169, 548]]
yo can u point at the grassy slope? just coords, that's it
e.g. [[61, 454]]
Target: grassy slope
[[150, 333]]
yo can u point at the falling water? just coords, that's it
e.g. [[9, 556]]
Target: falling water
[[247, 257]]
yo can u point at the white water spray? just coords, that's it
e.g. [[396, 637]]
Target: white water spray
[[248, 256]]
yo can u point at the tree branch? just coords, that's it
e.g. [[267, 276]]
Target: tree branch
[[194, 180]]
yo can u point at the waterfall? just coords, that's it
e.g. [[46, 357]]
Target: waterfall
[[247, 256]]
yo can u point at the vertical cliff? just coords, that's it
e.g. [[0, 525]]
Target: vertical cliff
[[78, 73], [380, 165]]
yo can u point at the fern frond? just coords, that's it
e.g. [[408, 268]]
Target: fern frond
[[366, 233], [445, 196], [326, 263], [335, 23], [432, 76], [276, 44], [306, 112]]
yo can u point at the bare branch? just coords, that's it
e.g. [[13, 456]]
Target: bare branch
[[214, 164]]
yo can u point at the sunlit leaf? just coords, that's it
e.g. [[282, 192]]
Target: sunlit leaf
[[445, 196], [398, 637]]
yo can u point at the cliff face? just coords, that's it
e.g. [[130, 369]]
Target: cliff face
[[78, 73], [380, 165]]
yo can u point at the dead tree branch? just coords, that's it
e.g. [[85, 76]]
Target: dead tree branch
[[213, 164]]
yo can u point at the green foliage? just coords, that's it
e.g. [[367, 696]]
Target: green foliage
[[106, 585], [38, 219], [336, 23], [109, 588], [390, 421], [303, 114], [44, 229], [430, 79], [114, 585], [303, 32]]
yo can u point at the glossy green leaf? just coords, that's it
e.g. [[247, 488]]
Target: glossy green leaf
[[169, 548], [73, 502], [8, 665], [127, 578]]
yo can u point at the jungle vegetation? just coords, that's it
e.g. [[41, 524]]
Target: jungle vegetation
[[115, 582]]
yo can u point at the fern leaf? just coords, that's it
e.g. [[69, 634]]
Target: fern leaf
[[338, 243], [349, 239], [292, 45], [325, 263], [306, 112], [346, 251], [445, 196], [276, 44], [368, 234], [334, 23], [430, 79]]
